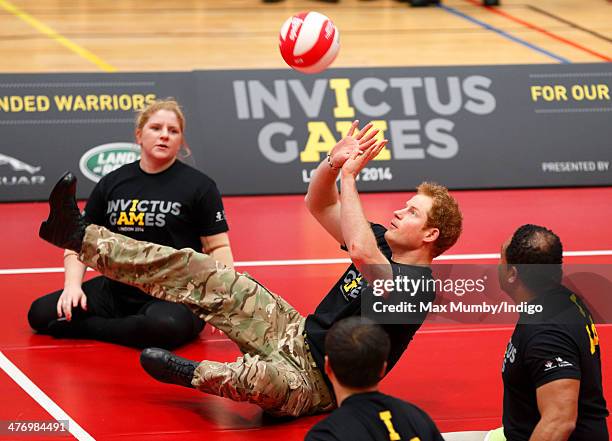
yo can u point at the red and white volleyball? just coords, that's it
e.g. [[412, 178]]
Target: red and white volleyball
[[309, 42]]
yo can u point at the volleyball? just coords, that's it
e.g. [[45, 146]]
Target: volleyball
[[309, 42]]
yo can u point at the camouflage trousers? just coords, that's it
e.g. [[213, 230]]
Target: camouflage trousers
[[276, 371]]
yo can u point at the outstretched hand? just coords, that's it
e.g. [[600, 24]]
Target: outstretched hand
[[360, 141], [359, 158]]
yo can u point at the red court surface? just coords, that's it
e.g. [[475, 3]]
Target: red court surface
[[453, 372]]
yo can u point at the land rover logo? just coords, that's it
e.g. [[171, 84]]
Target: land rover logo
[[103, 159]]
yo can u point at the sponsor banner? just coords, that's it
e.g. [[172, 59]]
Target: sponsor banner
[[79, 122], [474, 294], [265, 131], [465, 127]]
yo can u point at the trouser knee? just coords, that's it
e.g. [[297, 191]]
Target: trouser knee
[[276, 387], [42, 311], [171, 325]]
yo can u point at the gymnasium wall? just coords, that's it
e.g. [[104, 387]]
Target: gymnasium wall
[[265, 131]]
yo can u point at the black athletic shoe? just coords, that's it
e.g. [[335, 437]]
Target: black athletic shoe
[[166, 367], [490, 2], [64, 227]]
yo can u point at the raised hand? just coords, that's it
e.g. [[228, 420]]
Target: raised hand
[[359, 158], [360, 141]]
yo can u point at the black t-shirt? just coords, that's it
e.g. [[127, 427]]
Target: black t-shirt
[[344, 300], [174, 207], [373, 416], [558, 343]]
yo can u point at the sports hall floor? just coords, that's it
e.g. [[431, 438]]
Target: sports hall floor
[[453, 372]]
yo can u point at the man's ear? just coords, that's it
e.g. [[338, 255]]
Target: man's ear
[[512, 274], [383, 371], [431, 235], [327, 367]]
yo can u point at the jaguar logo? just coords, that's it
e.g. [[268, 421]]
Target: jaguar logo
[[18, 165]]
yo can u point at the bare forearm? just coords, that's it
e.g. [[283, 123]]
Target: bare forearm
[[74, 270], [552, 430], [218, 247], [322, 190], [355, 227], [224, 255]]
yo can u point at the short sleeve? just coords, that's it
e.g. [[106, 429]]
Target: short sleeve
[[552, 355], [95, 207], [210, 214], [434, 433], [379, 234]]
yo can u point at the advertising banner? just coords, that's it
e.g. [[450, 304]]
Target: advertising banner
[[265, 131], [465, 127], [79, 122]]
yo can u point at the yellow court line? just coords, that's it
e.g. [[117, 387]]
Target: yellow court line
[[49, 32]]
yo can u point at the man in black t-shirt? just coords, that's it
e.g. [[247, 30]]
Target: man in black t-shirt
[[282, 369], [357, 352], [552, 365]]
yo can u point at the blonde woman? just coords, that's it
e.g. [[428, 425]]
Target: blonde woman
[[158, 199]]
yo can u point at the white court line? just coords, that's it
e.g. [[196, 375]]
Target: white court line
[[295, 262], [41, 398]]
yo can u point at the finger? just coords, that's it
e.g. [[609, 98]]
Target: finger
[[379, 148], [371, 146], [362, 158], [368, 154], [354, 154], [376, 149], [59, 307], [369, 136], [363, 131], [367, 145], [68, 310], [84, 303], [353, 127]]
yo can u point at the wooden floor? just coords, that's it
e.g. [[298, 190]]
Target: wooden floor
[[135, 35]]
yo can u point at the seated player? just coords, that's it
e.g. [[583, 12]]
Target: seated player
[[552, 366], [282, 369], [159, 199], [357, 350]]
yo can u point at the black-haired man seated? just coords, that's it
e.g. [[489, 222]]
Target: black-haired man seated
[[357, 350], [552, 366]]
